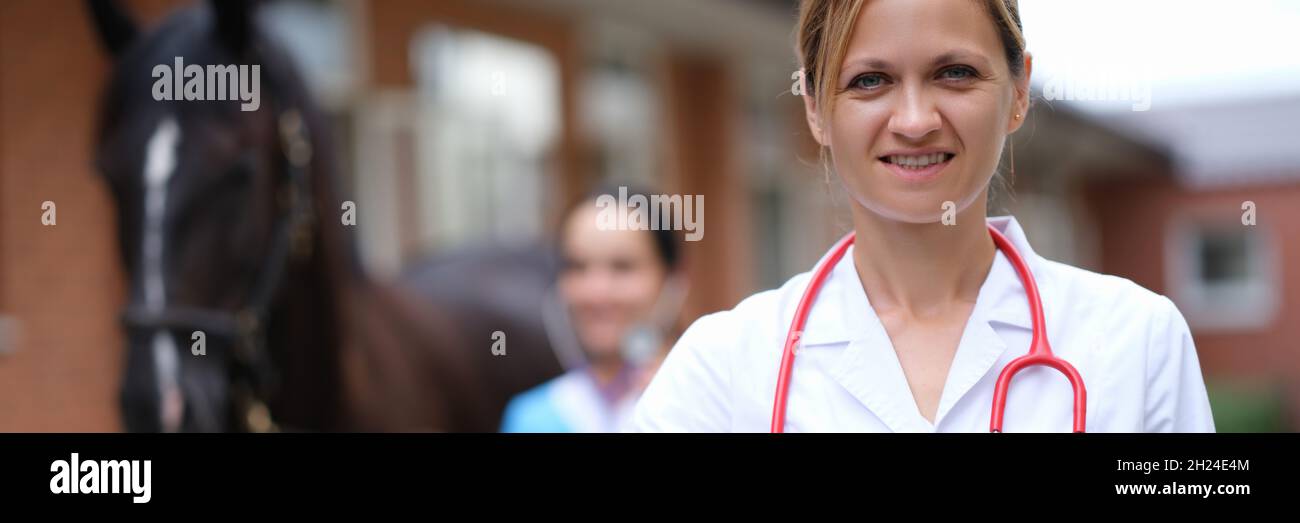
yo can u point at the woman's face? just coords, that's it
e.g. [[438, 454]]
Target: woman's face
[[923, 81], [610, 281]]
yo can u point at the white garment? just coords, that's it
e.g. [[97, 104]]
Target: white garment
[[1131, 346]]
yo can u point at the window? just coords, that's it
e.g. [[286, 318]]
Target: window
[[1223, 274], [621, 121], [797, 208], [489, 119]]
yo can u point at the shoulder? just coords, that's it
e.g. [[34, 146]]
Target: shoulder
[[721, 357], [534, 410], [758, 316], [745, 340], [1131, 329], [1114, 299], [1145, 337]]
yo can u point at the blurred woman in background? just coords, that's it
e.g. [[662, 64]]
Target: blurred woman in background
[[619, 294]]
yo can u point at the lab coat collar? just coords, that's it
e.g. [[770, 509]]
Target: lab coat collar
[[1001, 294], [870, 370]]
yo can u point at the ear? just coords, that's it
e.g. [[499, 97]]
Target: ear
[[1021, 105], [810, 112], [234, 22], [115, 27]]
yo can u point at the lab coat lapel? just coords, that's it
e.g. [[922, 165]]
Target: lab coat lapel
[[978, 351], [872, 374], [1002, 301], [868, 368]]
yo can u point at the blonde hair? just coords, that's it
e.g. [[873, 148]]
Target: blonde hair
[[826, 25]]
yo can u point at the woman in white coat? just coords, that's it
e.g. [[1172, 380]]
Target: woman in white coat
[[912, 101]]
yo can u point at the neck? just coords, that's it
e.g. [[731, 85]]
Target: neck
[[922, 268], [606, 370]]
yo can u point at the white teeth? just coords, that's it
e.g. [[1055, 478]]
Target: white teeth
[[917, 161]]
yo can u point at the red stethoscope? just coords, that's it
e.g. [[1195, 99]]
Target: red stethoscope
[[1040, 352]]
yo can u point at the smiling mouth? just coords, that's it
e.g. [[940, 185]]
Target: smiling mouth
[[917, 162]]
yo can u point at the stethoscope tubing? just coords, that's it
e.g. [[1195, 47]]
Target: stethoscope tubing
[[1040, 351]]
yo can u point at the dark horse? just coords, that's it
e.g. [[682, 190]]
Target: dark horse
[[248, 308]]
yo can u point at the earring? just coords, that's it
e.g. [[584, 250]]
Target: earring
[[1012, 146]]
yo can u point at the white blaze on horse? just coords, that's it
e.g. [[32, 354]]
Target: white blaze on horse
[[218, 207]]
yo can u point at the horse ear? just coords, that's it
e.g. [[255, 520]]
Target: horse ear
[[115, 27], [234, 22]]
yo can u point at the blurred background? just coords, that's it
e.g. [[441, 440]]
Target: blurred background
[[460, 123]]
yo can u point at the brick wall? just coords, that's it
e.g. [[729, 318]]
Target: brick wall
[[61, 284], [1134, 218]]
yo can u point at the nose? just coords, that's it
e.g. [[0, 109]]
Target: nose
[[591, 287], [916, 115]]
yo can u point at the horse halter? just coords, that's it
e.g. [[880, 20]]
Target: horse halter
[[253, 374]]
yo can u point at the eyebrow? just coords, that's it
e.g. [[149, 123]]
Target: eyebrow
[[955, 55]]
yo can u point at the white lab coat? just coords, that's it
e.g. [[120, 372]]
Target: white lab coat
[[1131, 346]]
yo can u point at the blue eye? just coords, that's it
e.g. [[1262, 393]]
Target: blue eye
[[961, 73], [867, 81]]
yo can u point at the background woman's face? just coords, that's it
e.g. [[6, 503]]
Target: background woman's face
[[920, 76], [610, 281]]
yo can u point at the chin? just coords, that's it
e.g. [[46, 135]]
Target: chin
[[600, 347], [916, 205], [917, 209]]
